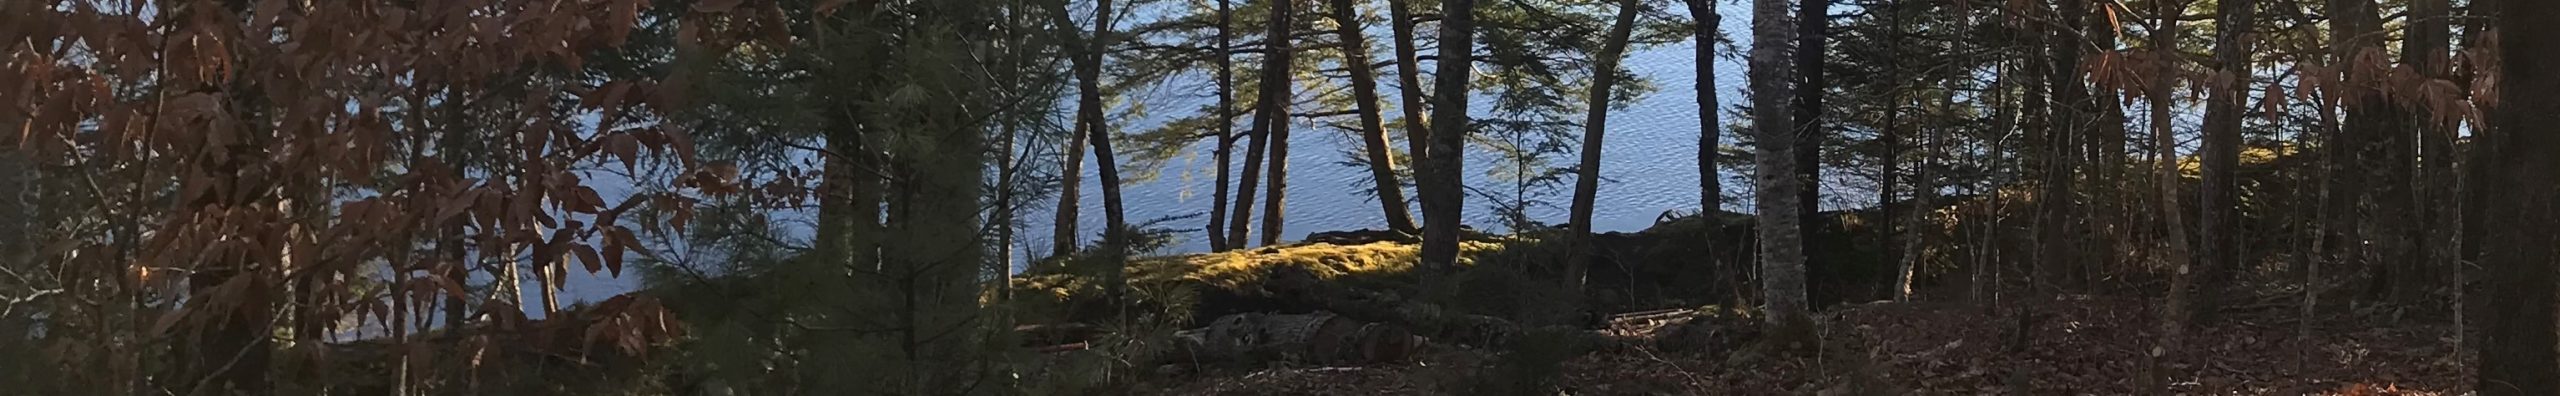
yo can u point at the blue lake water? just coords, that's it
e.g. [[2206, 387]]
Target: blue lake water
[[1649, 166]]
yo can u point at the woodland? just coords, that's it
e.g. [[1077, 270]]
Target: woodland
[[838, 197]]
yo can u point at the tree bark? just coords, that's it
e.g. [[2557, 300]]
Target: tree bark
[[2221, 155], [1089, 110], [2034, 111], [2389, 156], [1595, 127], [1443, 194], [1417, 133], [1373, 131], [2175, 250], [1710, 137], [2057, 218], [1063, 235], [2517, 354], [2475, 186], [2365, 181], [1226, 127], [1782, 279], [1710, 131], [2426, 48], [1887, 184], [1271, 112], [1283, 15], [1812, 33]]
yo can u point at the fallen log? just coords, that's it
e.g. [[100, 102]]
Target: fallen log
[[1307, 338], [1430, 320]]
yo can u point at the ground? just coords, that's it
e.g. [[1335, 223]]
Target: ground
[[2078, 346]]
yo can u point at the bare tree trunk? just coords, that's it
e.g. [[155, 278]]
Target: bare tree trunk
[[1443, 191], [1782, 278], [2427, 48], [1089, 112], [1710, 131], [2390, 154], [2175, 252], [2474, 176], [1283, 15], [2369, 125], [1887, 184], [1272, 113], [1417, 134], [1812, 33], [2221, 157], [2034, 120], [1917, 229], [2108, 178], [2004, 120], [1586, 184], [1373, 131], [2058, 209], [1226, 127], [2517, 355], [1070, 189]]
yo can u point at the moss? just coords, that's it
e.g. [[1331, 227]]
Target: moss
[[1064, 297], [1239, 270]]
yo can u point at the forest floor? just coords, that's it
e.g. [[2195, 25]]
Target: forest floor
[[2077, 346]]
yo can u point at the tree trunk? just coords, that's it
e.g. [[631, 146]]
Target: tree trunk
[[2175, 252], [2426, 48], [1782, 280], [2221, 155], [1417, 134], [1710, 133], [2475, 186], [848, 225], [1283, 13], [1097, 130], [1271, 112], [2033, 120], [1595, 126], [1070, 186], [2369, 124], [2004, 120], [2389, 155], [1373, 131], [2107, 180], [1812, 34], [1917, 229], [1443, 191], [1891, 138], [1226, 127], [2517, 354], [2057, 219]]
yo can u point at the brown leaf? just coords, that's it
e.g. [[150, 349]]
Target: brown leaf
[[626, 147], [536, 138], [2113, 20], [612, 256], [454, 289], [683, 143], [587, 256], [587, 199], [618, 27]]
